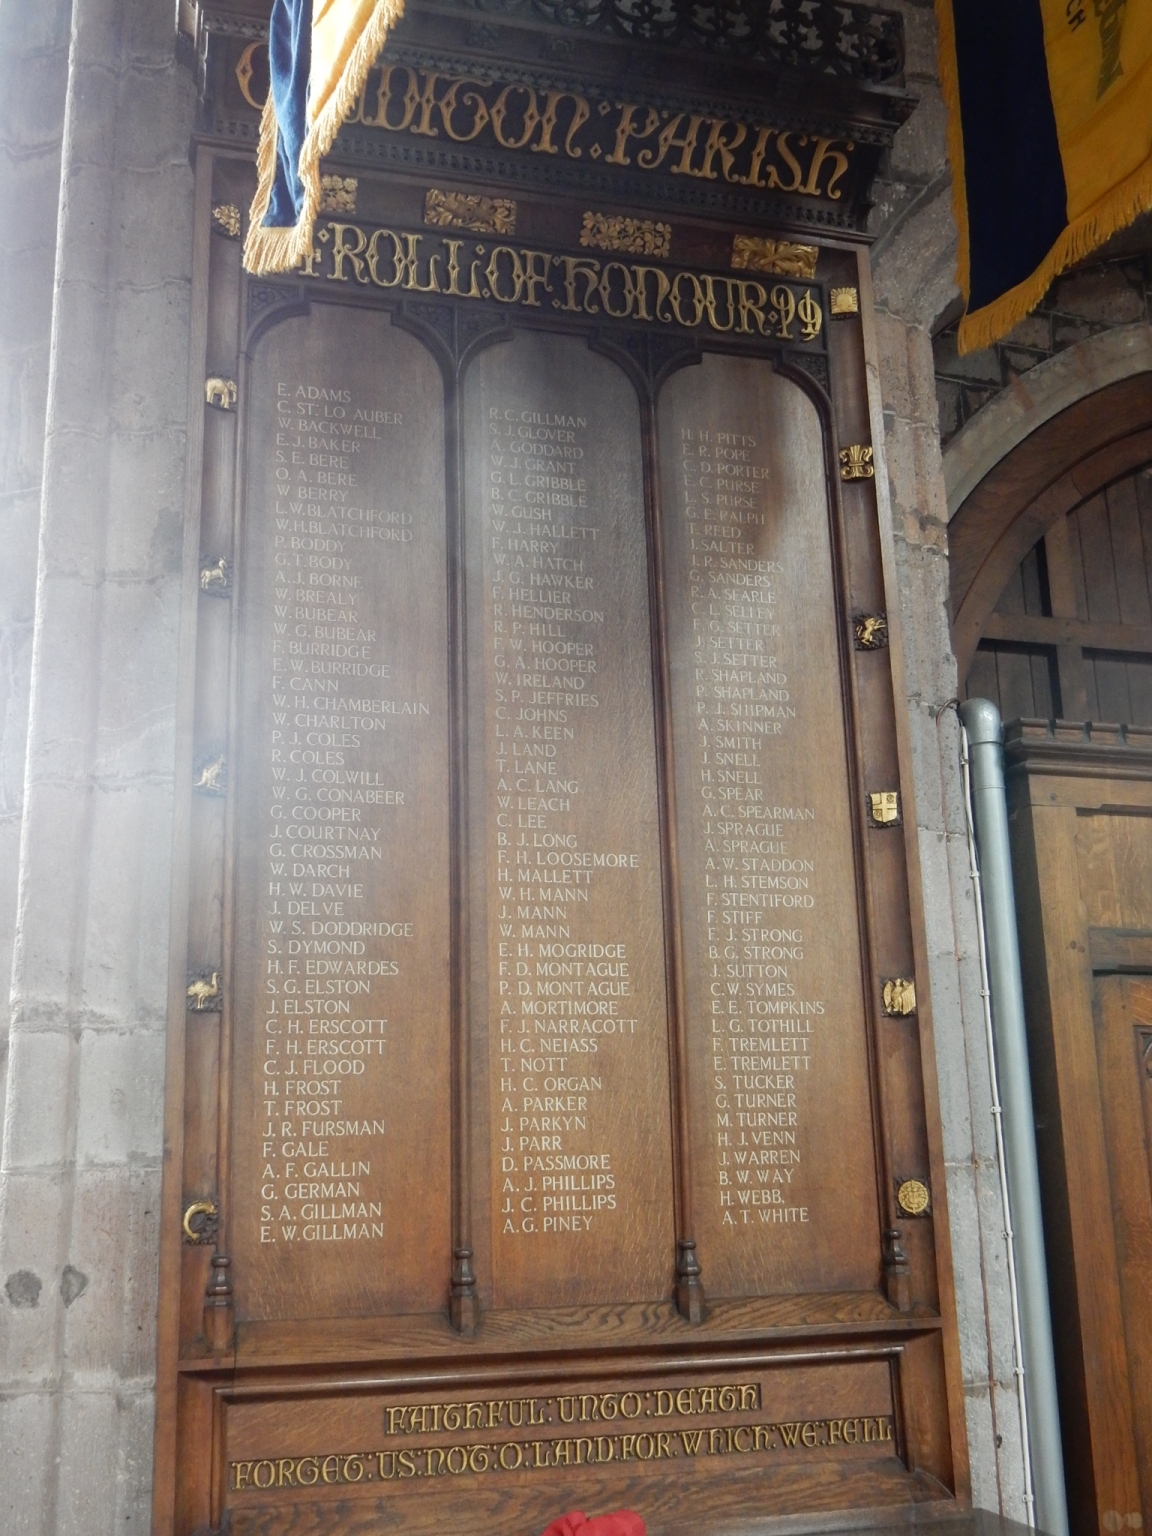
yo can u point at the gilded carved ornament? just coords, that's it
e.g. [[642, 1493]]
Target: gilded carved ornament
[[913, 1198], [338, 194], [870, 631], [900, 997], [226, 217], [200, 1222], [204, 993], [212, 778], [884, 807], [216, 578], [856, 462], [616, 232], [755, 253], [471, 211], [221, 393]]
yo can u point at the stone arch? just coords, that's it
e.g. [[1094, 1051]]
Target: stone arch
[[1044, 392], [1039, 476]]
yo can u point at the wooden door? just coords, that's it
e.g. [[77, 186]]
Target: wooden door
[[1082, 834], [548, 1106], [1123, 1018]]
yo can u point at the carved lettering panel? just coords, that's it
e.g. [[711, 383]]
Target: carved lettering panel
[[785, 1184], [680, 1443], [341, 998], [570, 955]]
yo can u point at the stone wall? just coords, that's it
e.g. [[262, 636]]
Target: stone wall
[[100, 384], [913, 269], [1096, 298]]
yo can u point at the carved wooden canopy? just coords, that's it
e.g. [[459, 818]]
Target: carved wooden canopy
[[773, 111]]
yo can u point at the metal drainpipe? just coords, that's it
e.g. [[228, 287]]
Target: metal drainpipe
[[981, 721]]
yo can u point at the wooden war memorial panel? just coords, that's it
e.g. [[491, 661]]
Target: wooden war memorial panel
[[785, 1186], [548, 1125], [568, 846]]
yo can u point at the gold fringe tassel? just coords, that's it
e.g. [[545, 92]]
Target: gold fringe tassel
[[279, 249], [1115, 210]]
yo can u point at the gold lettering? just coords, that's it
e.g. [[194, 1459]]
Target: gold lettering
[[772, 178], [500, 112], [697, 297], [810, 316], [784, 310], [574, 267], [628, 293], [471, 99], [716, 145], [373, 260], [384, 97], [428, 105], [758, 151], [342, 252], [663, 289], [492, 273], [536, 265], [839, 160], [580, 114], [626, 130], [710, 286], [649, 160], [516, 1455], [411, 277], [415, 101]]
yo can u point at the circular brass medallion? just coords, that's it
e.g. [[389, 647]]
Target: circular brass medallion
[[912, 1197]]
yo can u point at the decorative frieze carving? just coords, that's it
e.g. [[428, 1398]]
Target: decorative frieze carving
[[469, 210], [226, 217], [757, 253], [617, 232], [338, 194]]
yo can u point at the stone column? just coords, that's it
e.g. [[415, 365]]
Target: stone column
[[913, 267], [33, 77], [82, 1143]]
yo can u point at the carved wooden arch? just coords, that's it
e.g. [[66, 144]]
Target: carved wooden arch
[[1063, 463]]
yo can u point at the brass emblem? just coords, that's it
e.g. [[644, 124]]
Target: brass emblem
[[338, 194], [843, 301], [752, 253], [899, 997], [244, 73], [912, 1197], [226, 217], [468, 210], [884, 807], [870, 631], [613, 232], [200, 1222], [216, 578], [213, 777], [204, 994], [221, 393], [856, 462]]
